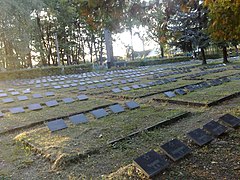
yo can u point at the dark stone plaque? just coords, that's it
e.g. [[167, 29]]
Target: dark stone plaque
[[22, 98], [82, 88], [49, 94], [116, 108], [190, 88], [115, 83], [15, 93], [27, 91], [151, 163], [230, 120], [132, 105], [52, 103], [200, 137], [215, 82], [7, 100], [204, 85], [66, 86], [135, 86], [116, 90], [34, 107], [99, 113], [126, 88], [3, 95], [175, 149], [37, 96], [79, 118], [56, 125], [82, 97], [100, 86], [169, 94], [180, 91], [57, 87], [16, 110], [68, 100], [123, 81], [215, 128]]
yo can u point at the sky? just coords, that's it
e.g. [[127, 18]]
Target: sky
[[124, 39]]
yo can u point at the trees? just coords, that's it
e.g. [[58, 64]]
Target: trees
[[224, 25], [187, 23], [15, 32]]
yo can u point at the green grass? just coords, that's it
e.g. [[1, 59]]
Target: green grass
[[97, 133], [10, 121]]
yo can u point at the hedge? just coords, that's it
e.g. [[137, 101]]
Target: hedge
[[158, 61], [45, 71]]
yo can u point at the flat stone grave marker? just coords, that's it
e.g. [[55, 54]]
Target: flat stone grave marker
[[92, 87], [34, 107], [169, 94], [215, 128], [100, 86], [1, 91], [79, 118], [130, 80], [123, 81], [230, 120], [57, 87], [176, 149], [15, 93], [225, 79], [82, 97], [126, 88], [116, 90], [38, 86], [82, 83], [27, 91], [16, 110], [135, 86], [49, 94], [11, 89], [1, 114], [117, 108], [52, 103], [66, 86], [99, 113], [180, 91], [115, 83], [108, 84], [82, 88], [37, 96], [73, 85], [7, 100], [56, 125], [215, 82], [143, 85], [190, 88], [46, 85], [200, 137], [68, 100], [22, 98], [151, 163], [61, 82], [132, 105], [204, 85]]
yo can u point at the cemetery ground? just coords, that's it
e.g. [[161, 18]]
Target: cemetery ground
[[173, 100]]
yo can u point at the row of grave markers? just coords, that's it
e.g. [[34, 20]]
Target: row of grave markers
[[52, 103], [59, 124], [152, 163], [193, 87]]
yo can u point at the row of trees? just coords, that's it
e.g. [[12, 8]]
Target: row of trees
[[68, 32]]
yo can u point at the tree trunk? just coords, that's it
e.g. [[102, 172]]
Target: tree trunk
[[162, 51], [204, 61], [225, 60], [236, 48]]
